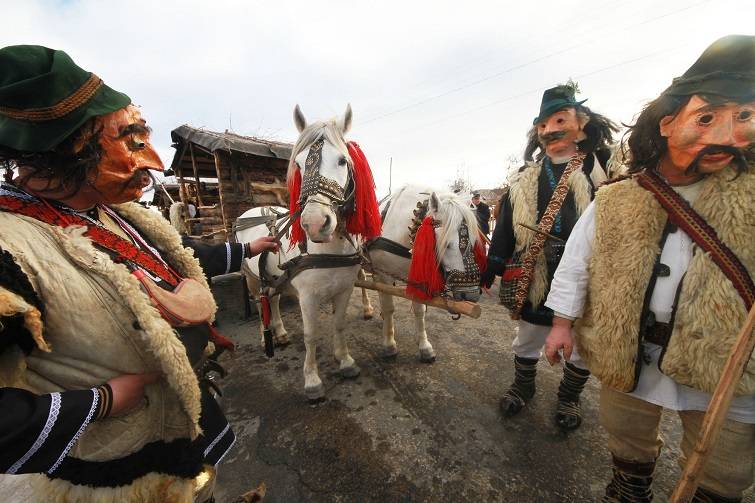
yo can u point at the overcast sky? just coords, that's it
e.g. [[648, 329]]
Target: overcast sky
[[441, 87]]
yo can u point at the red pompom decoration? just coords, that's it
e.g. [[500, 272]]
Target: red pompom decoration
[[425, 279], [480, 257], [366, 218], [294, 191]]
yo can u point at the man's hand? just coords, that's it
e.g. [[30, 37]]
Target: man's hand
[[559, 338], [128, 391], [266, 243]]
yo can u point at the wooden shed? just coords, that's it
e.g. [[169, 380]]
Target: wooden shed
[[225, 174]]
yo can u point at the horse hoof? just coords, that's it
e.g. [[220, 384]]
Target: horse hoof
[[426, 355], [368, 316], [350, 372], [389, 353], [315, 393]]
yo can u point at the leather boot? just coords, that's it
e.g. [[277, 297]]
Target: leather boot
[[631, 482], [568, 411], [523, 387]]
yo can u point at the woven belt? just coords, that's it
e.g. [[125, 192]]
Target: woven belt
[[659, 333]]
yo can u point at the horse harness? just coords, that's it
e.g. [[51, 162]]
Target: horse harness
[[458, 279], [342, 202]]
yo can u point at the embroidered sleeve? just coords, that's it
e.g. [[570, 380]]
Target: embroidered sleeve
[[217, 259], [38, 431]]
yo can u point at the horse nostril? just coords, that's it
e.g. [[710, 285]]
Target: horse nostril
[[326, 224]]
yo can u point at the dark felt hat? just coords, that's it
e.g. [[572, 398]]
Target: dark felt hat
[[726, 68], [45, 97], [554, 99]]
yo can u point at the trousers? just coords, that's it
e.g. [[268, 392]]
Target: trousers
[[632, 425]]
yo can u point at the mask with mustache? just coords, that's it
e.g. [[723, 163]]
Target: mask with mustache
[[127, 154], [705, 138], [560, 132]]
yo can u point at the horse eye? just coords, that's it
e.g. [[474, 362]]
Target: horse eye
[[342, 161]]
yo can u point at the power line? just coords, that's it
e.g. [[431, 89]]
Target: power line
[[516, 67], [539, 89]]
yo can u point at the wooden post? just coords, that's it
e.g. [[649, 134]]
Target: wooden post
[[739, 356], [221, 192], [182, 187], [452, 306], [196, 175]]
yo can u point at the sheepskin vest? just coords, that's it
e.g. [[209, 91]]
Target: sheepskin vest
[[523, 195], [629, 224], [99, 324]]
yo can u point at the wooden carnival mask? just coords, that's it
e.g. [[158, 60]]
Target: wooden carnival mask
[[706, 137], [560, 132], [127, 154]]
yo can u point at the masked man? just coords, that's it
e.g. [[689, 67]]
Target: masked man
[[572, 146], [659, 273], [96, 289]]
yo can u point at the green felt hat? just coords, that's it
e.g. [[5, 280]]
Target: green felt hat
[[555, 99], [726, 68], [45, 97]]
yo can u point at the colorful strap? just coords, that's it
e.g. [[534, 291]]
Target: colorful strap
[[121, 248], [684, 216], [529, 259]]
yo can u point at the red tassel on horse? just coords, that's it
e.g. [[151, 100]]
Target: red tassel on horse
[[425, 280], [294, 190], [480, 257], [366, 218]]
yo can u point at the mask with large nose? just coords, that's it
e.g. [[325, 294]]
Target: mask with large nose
[[324, 167]]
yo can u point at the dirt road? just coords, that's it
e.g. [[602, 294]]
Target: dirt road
[[405, 431]]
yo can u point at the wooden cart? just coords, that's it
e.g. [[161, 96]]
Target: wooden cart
[[224, 175]]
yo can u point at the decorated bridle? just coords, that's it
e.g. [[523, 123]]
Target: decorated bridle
[[427, 277], [314, 183]]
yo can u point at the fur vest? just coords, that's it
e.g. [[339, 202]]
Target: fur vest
[[98, 324], [523, 195], [628, 226]]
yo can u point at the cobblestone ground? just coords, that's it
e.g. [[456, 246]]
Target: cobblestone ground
[[403, 430]]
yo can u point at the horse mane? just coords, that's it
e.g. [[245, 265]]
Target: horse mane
[[452, 212]]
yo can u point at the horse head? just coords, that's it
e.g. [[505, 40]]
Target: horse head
[[321, 166], [448, 252], [458, 246]]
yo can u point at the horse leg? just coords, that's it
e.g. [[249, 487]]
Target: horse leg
[[369, 312], [426, 352], [389, 331], [262, 325], [348, 368], [280, 335], [313, 388]]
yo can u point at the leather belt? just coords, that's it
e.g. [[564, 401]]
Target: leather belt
[[659, 333]]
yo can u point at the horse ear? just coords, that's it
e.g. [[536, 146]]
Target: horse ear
[[434, 203], [299, 119], [344, 124]]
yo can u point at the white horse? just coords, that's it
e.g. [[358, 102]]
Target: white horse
[[456, 236], [323, 161]]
